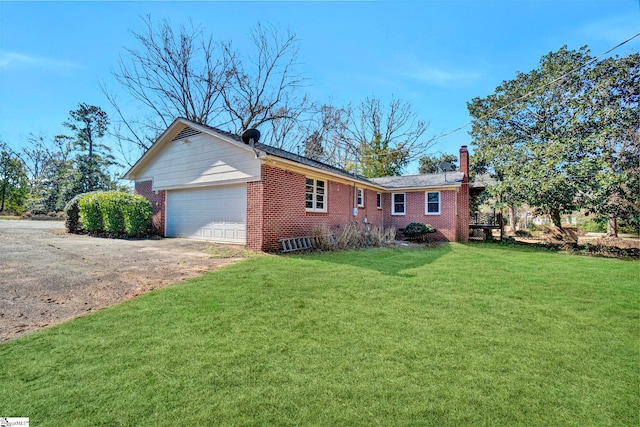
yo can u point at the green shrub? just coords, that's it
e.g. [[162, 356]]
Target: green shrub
[[417, 229], [137, 215], [91, 213], [112, 206], [629, 228], [115, 213], [72, 213]]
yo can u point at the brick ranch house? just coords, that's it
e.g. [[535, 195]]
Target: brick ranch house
[[208, 184]]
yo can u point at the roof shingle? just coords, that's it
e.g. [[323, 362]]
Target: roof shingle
[[420, 181]]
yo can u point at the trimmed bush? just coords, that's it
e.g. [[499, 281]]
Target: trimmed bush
[[91, 213], [112, 206], [114, 213], [417, 229], [72, 213], [72, 220], [137, 215]]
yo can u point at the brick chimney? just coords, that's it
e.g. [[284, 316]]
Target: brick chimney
[[464, 162], [462, 225]]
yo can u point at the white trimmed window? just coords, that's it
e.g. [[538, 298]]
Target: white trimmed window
[[398, 203], [432, 205], [379, 200], [360, 197], [316, 195]]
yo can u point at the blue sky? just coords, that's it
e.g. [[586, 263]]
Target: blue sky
[[438, 55]]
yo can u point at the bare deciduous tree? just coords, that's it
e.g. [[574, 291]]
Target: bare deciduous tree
[[264, 88], [171, 75], [188, 74], [385, 139], [320, 135], [371, 139]]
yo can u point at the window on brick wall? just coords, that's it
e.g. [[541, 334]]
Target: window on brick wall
[[379, 200], [398, 203], [360, 196], [316, 195], [432, 203]]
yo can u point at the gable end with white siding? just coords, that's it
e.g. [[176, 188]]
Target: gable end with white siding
[[203, 177]]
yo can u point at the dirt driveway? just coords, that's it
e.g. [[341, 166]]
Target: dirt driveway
[[48, 276]]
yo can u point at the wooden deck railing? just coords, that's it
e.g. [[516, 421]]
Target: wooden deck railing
[[482, 225], [482, 218]]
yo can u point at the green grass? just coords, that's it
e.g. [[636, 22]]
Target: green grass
[[230, 252], [457, 335]]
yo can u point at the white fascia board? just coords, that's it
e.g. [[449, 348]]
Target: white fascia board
[[455, 187]]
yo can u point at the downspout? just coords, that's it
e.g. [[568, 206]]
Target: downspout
[[457, 215], [354, 210], [354, 201]]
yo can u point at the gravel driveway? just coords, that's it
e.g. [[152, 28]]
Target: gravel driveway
[[48, 276]]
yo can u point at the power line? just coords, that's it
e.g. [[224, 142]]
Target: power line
[[348, 147], [526, 95]]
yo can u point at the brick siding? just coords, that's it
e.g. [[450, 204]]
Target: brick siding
[[282, 212], [255, 215], [158, 199], [444, 222]]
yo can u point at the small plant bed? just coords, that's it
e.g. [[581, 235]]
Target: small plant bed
[[417, 232], [349, 236]]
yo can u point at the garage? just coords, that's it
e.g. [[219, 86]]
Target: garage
[[212, 213]]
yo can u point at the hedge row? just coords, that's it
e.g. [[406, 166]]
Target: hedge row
[[110, 212]]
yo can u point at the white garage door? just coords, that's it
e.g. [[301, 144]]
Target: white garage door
[[212, 213]]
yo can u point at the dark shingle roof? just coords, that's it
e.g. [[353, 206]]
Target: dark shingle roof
[[419, 181], [483, 180]]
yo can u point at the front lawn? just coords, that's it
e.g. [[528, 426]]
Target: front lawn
[[458, 335]]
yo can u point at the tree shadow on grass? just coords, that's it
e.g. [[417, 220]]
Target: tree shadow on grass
[[391, 261]]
